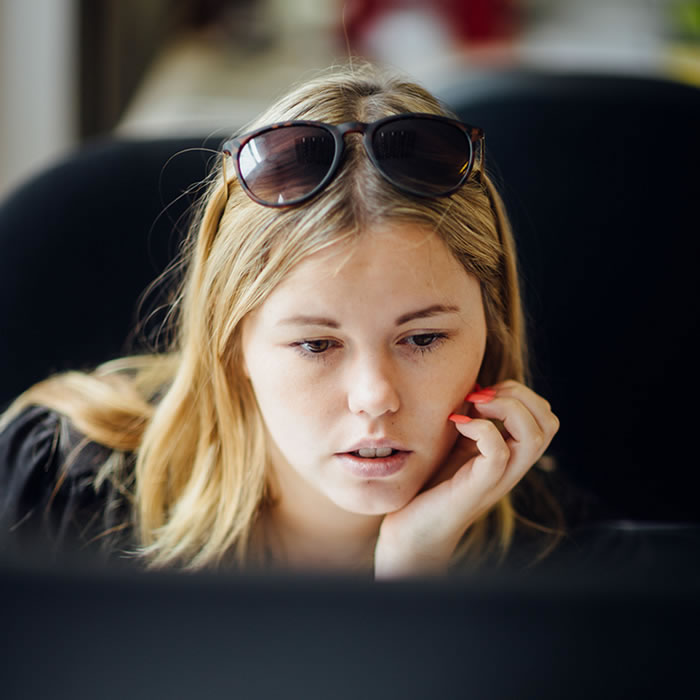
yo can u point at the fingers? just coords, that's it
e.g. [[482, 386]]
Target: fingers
[[489, 465], [538, 406], [526, 416], [529, 423]]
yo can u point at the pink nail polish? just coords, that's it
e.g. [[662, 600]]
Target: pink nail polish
[[483, 396], [457, 418]]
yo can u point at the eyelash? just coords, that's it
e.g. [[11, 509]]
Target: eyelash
[[438, 339]]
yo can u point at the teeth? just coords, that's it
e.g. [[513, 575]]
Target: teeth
[[375, 452]]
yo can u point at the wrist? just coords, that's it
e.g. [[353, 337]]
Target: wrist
[[394, 560]]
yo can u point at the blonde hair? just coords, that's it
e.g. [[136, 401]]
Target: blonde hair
[[190, 414]]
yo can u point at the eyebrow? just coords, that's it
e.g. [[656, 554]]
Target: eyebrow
[[427, 312]]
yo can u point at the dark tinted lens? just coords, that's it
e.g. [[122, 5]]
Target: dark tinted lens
[[285, 164], [426, 156]]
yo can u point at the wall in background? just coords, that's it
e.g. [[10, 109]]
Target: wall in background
[[68, 69], [38, 85]]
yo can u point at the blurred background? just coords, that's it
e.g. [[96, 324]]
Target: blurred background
[[72, 71]]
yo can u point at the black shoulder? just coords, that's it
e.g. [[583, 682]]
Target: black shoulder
[[28, 463], [48, 487]]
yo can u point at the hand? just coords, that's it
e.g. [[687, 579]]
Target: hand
[[484, 465]]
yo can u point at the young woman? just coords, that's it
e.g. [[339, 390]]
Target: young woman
[[350, 287]]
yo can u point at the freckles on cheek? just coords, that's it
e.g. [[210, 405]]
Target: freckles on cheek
[[438, 400], [281, 384]]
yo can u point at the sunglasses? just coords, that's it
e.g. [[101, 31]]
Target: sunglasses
[[288, 163]]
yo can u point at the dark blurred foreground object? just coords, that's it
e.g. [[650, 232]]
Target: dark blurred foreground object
[[79, 244], [563, 633], [601, 178]]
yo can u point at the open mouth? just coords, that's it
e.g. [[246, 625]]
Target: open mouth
[[374, 454], [371, 463]]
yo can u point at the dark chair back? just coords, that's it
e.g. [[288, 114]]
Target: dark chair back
[[601, 177], [79, 243]]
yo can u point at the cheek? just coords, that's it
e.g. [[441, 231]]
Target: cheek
[[294, 403], [444, 387]]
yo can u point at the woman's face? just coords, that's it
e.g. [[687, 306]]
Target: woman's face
[[364, 344]]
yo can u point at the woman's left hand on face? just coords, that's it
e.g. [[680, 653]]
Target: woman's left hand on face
[[484, 465]]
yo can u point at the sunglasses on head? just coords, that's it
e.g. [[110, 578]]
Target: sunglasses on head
[[289, 163]]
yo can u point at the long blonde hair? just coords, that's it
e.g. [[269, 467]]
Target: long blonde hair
[[190, 414]]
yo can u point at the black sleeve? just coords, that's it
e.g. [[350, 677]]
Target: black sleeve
[[28, 467], [47, 501]]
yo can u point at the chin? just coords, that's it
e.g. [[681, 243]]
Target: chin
[[373, 499]]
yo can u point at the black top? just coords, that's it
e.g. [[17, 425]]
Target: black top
[[48, 492], [51, 495]]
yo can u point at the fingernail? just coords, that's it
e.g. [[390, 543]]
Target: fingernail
[[457, 418], [483, 396]]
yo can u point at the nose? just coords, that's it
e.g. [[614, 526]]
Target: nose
[[372, 387]]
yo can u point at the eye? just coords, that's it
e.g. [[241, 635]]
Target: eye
[[425, 342], [313, 347]]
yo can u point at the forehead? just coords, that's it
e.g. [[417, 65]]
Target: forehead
[[392, 265]]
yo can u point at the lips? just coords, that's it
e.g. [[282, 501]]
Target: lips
[[375, 444], [374, 458]]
